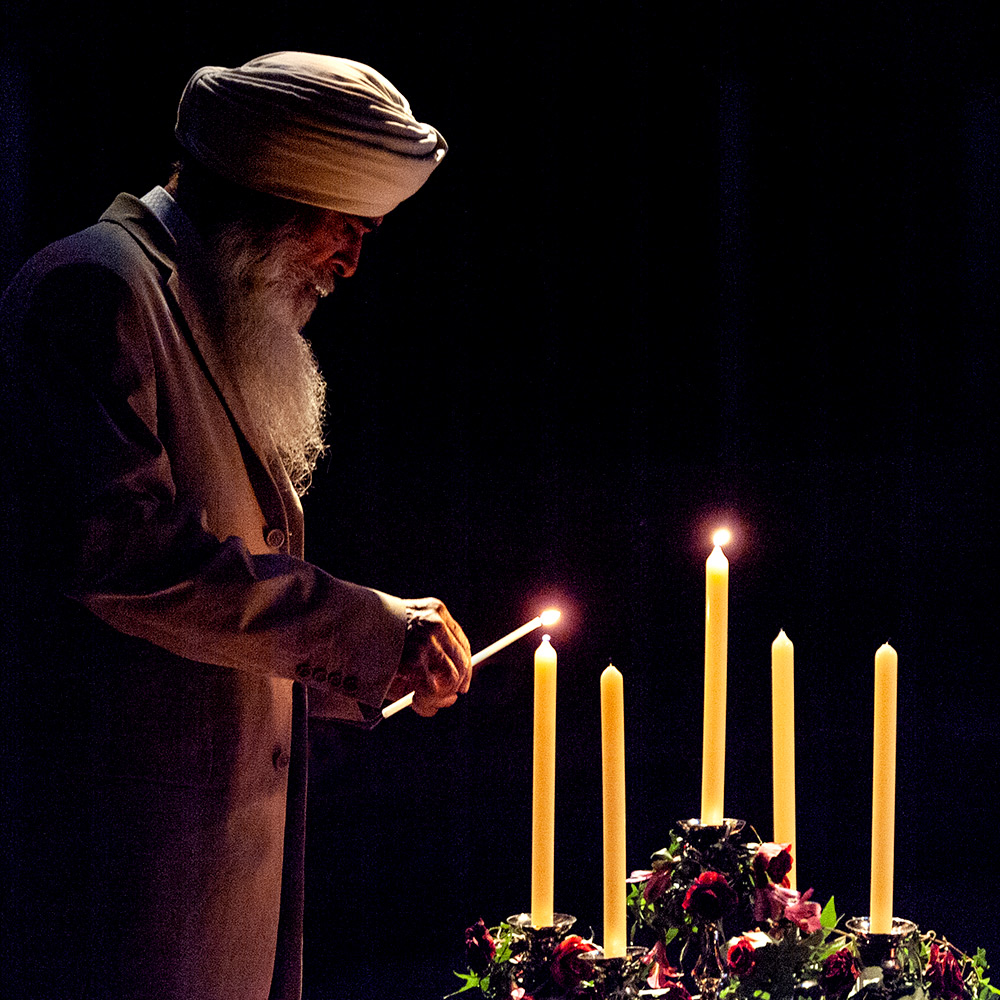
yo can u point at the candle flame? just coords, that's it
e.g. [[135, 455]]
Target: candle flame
[[550, 617], [721, 537]]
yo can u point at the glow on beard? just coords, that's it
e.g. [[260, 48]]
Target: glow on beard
[[268, 293]]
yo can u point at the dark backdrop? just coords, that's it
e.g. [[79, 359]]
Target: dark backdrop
[[676, 270]]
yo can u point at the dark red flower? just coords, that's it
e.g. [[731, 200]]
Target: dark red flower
[[710, 897], [567, 967], [945, 974], [740, 957], [774, 862], [839, 973], [657, 882], [479, 947]]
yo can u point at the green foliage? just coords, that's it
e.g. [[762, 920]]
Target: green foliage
[[974, 970], [828, 917], [978, 981], [472, 982]]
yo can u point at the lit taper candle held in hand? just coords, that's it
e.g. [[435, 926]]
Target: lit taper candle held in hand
[[546, 618], [883, 790], [783, 743], [713, 760], [543, 787]]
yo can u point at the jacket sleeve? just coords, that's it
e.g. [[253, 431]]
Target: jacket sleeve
[[116, 537]]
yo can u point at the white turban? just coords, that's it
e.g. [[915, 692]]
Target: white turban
[[315, 129]]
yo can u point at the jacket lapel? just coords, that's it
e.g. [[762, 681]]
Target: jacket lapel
[[182, 262]]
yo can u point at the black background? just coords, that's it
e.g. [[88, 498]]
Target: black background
[[678, 269]]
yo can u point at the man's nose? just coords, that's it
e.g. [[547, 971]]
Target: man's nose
[[347, 255]]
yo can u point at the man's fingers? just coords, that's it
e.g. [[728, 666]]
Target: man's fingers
[[455, 630], [458, 661], [428, 708], [436, 655], [434, 610], [444, 676]]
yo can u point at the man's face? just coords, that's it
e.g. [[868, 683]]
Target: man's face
[[270, 280], [331, 246]]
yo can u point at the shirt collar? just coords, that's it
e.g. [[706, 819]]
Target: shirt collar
[[172, 217]]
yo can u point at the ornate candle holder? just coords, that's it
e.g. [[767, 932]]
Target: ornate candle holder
[[702, 835], [616, 978], [886, 956], [532, 950], [541, 940]]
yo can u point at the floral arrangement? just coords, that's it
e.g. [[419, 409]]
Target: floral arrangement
[[515, 962], [716, 916]]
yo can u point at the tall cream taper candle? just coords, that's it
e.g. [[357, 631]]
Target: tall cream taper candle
[[783, 743], [543, 794], [883, 790], [613, 773]]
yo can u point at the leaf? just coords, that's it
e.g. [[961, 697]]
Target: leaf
[[472, 982], [828, 918]]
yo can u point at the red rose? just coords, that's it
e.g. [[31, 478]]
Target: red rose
[[710, 897], [740, 957], [839, 973], [945, 974], [773, 861], [567, 967], [479, 947]]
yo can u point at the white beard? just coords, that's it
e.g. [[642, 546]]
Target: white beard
[[267, 295]]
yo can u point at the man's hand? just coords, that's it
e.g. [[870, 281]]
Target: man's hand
[[436, 663]]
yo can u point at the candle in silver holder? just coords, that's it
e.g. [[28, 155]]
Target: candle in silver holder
[[886, 957], [618, 978]]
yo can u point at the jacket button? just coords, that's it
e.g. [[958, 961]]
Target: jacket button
[[350, 684], [334, 678], [319, 674], [280, 758], [274, 537]]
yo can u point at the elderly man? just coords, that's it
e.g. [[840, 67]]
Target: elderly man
[[162, 416]]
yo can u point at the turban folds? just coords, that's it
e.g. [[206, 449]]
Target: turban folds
[[311, 128]]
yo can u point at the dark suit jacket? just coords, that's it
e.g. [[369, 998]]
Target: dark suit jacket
[[164, 638]]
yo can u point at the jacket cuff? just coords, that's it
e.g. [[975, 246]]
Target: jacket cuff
[[355, 687]]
